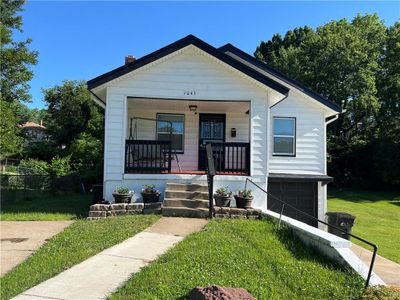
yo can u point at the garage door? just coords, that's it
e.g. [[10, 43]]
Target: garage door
[[301, 195]]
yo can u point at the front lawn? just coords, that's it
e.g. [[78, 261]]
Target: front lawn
[[43, 206], [76, 243], [377, 217], [269, 263]]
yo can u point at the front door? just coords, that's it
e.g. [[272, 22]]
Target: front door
[[211, 130]]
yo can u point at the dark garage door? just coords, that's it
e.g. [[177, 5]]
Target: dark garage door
[[302, 195]]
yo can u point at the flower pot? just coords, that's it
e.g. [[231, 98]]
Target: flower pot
[[222, 201], [242, 202], [150, 197], [122, 198]]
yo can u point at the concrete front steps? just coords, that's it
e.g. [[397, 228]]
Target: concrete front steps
[[185, 200]]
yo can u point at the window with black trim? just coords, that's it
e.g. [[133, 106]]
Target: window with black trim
[[174, 124], [284, 136]]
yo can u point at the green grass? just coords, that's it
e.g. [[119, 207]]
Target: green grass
[[76, 243], [43, 206], [269, 263], [377, 217]]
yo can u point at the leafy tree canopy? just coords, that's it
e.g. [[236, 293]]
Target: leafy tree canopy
[[357, 65], [339, 60], [70, 112], [15, 74], [15, 56]]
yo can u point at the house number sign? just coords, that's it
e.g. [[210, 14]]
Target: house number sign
[[189, 93]]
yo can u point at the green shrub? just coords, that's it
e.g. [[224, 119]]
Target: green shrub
[[60, 166], [33, 167]]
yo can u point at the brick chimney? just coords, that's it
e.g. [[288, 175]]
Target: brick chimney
[[129, 59]]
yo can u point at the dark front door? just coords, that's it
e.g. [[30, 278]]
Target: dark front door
[[211, 130]]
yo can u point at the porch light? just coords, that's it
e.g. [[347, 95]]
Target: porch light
[[193, 108]]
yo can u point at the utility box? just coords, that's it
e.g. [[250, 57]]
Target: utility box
[[341, 220]]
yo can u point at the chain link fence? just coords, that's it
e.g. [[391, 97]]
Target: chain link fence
[[27, 187]]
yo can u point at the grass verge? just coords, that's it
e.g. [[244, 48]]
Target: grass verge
[[45, 206], [76, 243], [269, 263], [377, 217]]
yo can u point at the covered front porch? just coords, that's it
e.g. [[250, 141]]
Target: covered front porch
[[169, 136]]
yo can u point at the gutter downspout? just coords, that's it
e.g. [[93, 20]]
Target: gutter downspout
[[324, 195], [332, 120], [329, 121]]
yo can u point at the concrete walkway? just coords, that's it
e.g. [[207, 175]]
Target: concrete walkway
[[386, 269], [19, 239], [100, 275]]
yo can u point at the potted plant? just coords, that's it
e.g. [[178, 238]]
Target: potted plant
[[243, 198], [222, 197], [150, 194], [122, 194]]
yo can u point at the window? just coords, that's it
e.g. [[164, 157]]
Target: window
[[166, 122], [284, 136]]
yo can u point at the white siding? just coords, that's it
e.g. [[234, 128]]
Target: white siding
[[310, 124], [186, 70], [205, 78]]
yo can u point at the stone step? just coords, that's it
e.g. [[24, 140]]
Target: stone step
[[173, 194], [189, 187], [185, 212], [185, 203]]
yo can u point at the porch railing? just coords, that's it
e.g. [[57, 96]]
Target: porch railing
[[142, 156], [231, 158]]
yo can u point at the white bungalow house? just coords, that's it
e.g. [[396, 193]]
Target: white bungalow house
[[162, 109]]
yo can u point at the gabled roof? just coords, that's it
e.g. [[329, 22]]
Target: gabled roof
[[249, 69], [186, 41], [252, 60]]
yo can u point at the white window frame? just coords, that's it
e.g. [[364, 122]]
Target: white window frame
[[293, 153], [180, 151]]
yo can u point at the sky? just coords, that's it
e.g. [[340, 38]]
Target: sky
[[81, 40]]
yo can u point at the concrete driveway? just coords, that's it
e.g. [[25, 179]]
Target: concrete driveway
[[19, 239]]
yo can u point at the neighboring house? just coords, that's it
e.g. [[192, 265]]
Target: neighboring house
[[264, 125], [33, 132]]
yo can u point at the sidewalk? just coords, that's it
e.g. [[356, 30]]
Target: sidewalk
[[19, 239], [386, 269], [100, 275]]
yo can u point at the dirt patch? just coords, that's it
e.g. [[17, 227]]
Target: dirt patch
[[216, 292]]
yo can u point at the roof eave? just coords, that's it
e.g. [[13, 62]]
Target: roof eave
[[299, 86], [188, 40]]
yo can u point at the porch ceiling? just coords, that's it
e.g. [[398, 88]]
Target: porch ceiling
[[183, 105]]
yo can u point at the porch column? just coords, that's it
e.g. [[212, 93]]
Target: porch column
[[114, 141], [258, 148]]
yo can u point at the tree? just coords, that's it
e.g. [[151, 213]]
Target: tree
[[357, 65], [10, 141], [70, 112], [340, 61], [16, 60], [389, 86], [15, 56], [31, 114]]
